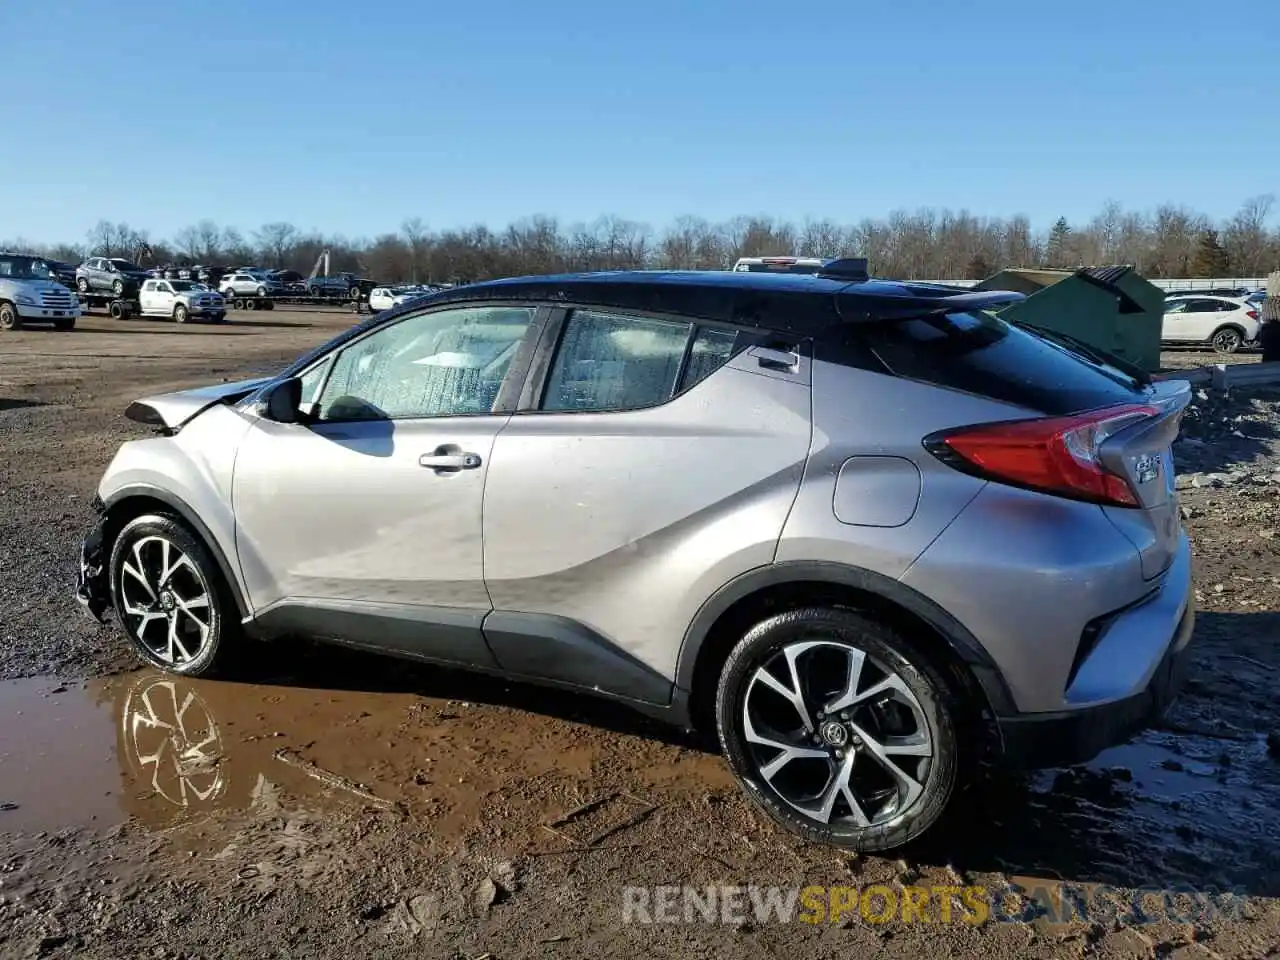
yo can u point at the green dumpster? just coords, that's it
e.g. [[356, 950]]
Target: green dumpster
[[1111, 308]]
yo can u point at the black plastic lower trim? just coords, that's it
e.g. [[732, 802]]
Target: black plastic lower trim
[[438, 634], [556, 648]]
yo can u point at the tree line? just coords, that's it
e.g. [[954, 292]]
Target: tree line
[[1171, 241]]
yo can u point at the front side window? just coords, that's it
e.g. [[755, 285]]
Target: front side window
[[441, 364]]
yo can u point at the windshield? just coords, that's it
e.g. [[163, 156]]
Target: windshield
[[125, 265], [184, 285], [25, 268]]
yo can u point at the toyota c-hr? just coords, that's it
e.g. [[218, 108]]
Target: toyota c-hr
[[867, 532]]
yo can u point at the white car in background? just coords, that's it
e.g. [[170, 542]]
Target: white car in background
[[1225, 323], [182, 300], [388, 298]]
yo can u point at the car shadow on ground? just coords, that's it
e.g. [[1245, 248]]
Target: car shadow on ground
[[1188, 805], [327, 666], [7, 403]]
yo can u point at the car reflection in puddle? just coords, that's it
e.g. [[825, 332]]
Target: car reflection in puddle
[[172, 744]]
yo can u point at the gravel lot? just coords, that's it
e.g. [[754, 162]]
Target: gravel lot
[[351, 805]]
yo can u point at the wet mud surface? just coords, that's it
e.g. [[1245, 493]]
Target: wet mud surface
[[336, 803]]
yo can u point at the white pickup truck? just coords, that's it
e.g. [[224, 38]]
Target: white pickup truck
[[182, 300], [30, 294]]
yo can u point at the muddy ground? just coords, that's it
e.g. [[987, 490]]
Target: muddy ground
[[347, 805]]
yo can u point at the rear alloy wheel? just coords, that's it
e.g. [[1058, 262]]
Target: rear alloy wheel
[[170, 597], [838, 729], [1226, 340], [180, 314], [9, 319]]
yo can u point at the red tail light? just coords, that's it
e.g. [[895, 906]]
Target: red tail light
[[1253, 314], [1056, 455]]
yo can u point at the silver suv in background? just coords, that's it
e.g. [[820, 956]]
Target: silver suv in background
[[244, 283], [866, 533]]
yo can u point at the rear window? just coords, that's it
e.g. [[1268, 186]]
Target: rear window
[[979, 353]]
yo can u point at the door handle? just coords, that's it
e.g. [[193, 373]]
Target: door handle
[[449, 461]]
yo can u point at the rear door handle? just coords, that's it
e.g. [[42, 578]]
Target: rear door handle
[[449, 461]]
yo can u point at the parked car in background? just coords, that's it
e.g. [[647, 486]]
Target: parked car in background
[[63, 272], [182, 300], [336, 285], [245, 284], [885, 538], [807, 265], [121, 277], [30, 293], [1225, 323], [388, 298], [293, 282]]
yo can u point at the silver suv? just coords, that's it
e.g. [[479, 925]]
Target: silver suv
[[868, 533], [244, 283]]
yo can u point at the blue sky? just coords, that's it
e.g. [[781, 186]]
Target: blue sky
[[349, 117]]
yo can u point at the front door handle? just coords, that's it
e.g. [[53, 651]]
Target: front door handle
[[442, 462]]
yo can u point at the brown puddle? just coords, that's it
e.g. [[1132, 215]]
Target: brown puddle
[[168, 751]]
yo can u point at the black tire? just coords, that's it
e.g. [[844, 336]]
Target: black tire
[[939, 703], [180, 314], [9, 319], [64, 323], [116, 310], [141, 538], [238, 303], [117, 287], [313, 291], [1227, 340], [220, 318], [82, 284]]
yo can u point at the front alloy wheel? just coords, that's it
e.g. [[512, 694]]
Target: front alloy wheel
[[168, 596], [1227, 340], [838, 729]]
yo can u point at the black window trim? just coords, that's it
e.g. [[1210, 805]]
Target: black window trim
[[508, 390], [534, 390]]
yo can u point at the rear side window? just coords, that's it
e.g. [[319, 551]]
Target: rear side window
[[614, 362], [979, 353]]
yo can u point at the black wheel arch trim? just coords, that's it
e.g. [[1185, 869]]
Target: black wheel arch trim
[[192, 519], [957, 636]]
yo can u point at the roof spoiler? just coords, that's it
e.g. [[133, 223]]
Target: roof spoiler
[[921, 302]]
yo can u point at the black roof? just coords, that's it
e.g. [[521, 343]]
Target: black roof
[[797, 304], [790, 303]]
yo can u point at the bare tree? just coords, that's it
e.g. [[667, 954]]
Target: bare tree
[[189, 242], [419, 240], [275, 240]]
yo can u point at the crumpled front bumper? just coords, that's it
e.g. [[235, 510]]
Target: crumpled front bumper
[[93, 592]]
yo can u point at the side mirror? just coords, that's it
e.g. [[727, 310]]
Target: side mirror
[[281, 403]]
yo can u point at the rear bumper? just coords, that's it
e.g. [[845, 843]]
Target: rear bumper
[[1129, 679], [92, 590]]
